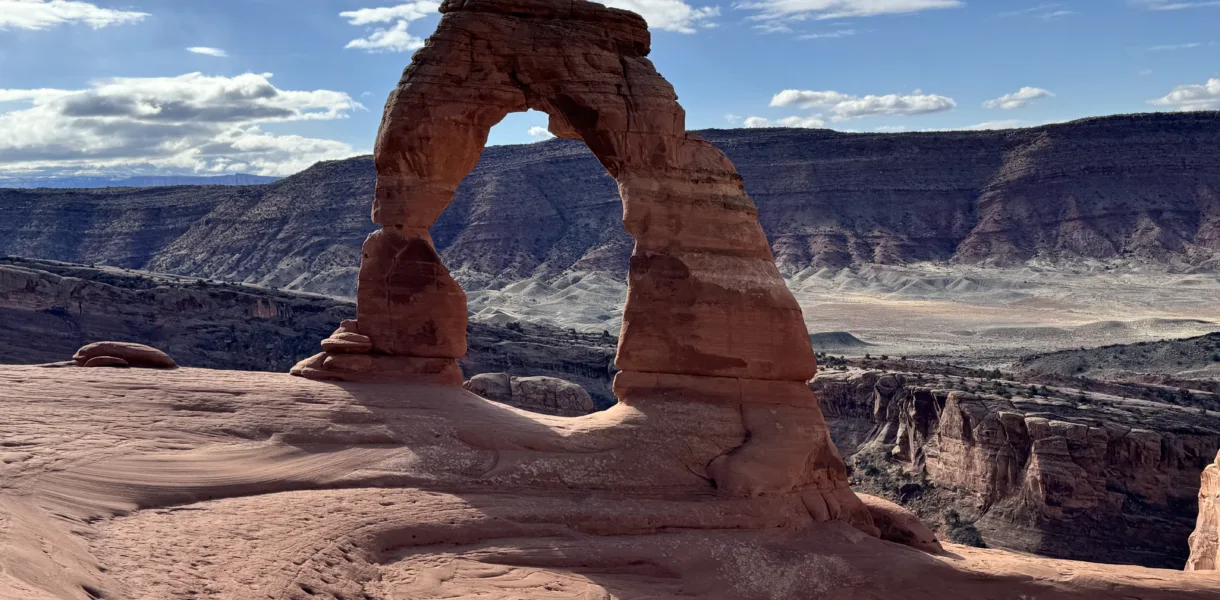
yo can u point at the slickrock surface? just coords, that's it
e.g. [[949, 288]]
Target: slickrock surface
[[1058, 472], [1205, 541], [546, 395], [167, 485]]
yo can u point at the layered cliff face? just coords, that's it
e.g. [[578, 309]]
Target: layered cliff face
[[1205, 541], [1064, 475], [1142, 187]]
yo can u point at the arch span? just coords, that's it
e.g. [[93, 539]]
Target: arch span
[[708, 318]]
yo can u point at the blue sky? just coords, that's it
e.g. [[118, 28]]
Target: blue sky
[[87, 87]]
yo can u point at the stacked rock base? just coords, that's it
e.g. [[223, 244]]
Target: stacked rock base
[[348, 356]]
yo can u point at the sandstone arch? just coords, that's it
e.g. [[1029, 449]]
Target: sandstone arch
[[708, 318]]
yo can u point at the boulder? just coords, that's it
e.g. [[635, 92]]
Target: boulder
[[106, 361], [900, 525], [546, 395], [136, 355]]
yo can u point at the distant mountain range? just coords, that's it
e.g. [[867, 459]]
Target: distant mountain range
[[136, 181], [1143, 188]]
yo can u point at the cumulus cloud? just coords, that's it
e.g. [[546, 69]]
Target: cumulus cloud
[[540, 133], [842, 106], [43, 14], [186, 124], [206, 51], [1204, 96], [1018, 99], [838, 9], [1173, 4], [387, 26], [670, 15], [794, 121]]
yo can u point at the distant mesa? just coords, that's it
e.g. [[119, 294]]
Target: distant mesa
[[836, 339]]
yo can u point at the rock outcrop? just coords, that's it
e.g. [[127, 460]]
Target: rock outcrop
[[1205, 541], [545, 395], [129, 354], [1062, 475], [708, 319]]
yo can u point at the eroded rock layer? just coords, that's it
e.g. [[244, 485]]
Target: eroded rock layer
[[1059, 473], [1205, 541]]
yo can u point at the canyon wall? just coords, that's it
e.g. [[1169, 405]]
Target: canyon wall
[[1139, 187], [1064, 475]]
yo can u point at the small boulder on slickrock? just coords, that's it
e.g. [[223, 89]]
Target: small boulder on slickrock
[[546, 395], [136, 355], [900, 525], [106, 361]]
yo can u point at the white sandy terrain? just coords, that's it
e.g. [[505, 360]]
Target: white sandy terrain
[[963, 313]]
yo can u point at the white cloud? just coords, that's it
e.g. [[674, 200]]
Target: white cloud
[[1046, 12], [1192, 97], [206, 51], [540, 133], [841, 33], [732, 119], [797, 122], [843, 106], [670, 15], [189, 123], [393, 37], [403, 12], [1169, 47], [1018, 99], [1002, 124], [1173, 4], [891, 129], [837, 9], [42, 14]]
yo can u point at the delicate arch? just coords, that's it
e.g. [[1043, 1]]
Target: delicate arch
[[708, 318]]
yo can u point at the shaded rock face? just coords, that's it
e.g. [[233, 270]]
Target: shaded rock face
[[48, 310], [546, 395], [1055, 478], [708, 318], [1205, 541]]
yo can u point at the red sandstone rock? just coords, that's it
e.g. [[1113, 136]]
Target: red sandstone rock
[[105, 361], [1205, 541], [708, 317], [900, 525], [347, 343], [136, 355]]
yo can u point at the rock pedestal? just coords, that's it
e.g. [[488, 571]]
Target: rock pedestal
[[708, 318]]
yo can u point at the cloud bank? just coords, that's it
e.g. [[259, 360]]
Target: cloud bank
[[191, 123]]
